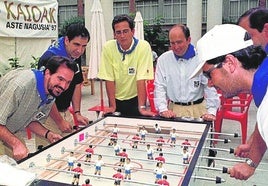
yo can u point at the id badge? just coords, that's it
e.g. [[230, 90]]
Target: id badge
[[39, 116]]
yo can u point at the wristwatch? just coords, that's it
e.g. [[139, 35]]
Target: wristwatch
[[251, 163]]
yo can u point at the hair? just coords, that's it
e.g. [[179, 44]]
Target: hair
[[247, 14], [165, 177], [123, 17], [77, 29], [258, 18], [56, 61], [185, 29], [250, 57], [87, 181], [79, 164]]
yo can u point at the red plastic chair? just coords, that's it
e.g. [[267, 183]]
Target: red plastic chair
[[235, 108], [150, 94]]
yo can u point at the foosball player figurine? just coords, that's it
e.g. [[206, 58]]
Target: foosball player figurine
[[127, 168], [116, 148], [150, 152], [185, 156], [70, 160], [87, 183], [98, 165], [160, 142], [118, 177], [185, 144], [163, 181], [115, 129], [89, 151], [113, 139], [159, 171], [77, 172], [161, 158], [173, 137], [136, 140], [123, 156], [157, 129], [143, 133]]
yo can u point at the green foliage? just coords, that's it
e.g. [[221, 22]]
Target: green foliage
[[34, 64], [14, 63], [156, 36], [67, 22]]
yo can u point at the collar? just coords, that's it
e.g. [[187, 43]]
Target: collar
[[39, 76], [128, 51], [266, 49], [190, 52]]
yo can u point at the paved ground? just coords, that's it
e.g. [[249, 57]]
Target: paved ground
[[258, 179]]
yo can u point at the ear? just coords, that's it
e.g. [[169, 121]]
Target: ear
[[231, 63], [47, 72], [66, 39], [265, 30], [189, 39]]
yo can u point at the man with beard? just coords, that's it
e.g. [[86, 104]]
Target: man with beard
[[26, 98]]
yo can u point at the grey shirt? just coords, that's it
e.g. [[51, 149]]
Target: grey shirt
[[20, 100]]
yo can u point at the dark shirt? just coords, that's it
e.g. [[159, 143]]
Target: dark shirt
[[63, 101], [260, 81]]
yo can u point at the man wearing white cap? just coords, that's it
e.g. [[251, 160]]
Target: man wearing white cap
[[230, 60]]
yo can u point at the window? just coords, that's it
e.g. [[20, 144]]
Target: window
[[238, 7]]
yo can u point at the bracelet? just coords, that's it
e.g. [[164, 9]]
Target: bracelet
[[143, 107], [78, 111], [47, 133]]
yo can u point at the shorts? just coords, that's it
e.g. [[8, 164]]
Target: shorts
[[98, 168]]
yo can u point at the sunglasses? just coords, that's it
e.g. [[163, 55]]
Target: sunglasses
[[207, 73]]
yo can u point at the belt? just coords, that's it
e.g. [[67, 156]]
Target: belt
[[189, 103]]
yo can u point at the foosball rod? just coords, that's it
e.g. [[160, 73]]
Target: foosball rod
[[152, 134], [231, 150], [139, 159], [226, 134], [140, 141], [217, 179], [129, 149], [92, 175], [154, 142]]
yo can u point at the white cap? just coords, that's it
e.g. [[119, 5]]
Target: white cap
[[221, 40]]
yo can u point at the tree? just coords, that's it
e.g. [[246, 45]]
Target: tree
[[66, 23], [156, 36]]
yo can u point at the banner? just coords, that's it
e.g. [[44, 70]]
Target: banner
[[29, 18]]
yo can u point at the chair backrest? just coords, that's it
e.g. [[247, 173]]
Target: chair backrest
[[150, 94], [239, 103]]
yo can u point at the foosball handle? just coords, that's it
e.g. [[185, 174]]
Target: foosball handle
[[218, 179], [224, 170]]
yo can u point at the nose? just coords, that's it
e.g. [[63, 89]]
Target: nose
[[64, 85]]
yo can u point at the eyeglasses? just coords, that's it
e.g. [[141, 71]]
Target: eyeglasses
[[207, 73], [119, 32]]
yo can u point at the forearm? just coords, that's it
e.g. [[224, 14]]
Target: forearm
[[141, 89], [257, 146], [55, 115], [7, 137], [37, 128], [110, 89], [76, 99]]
